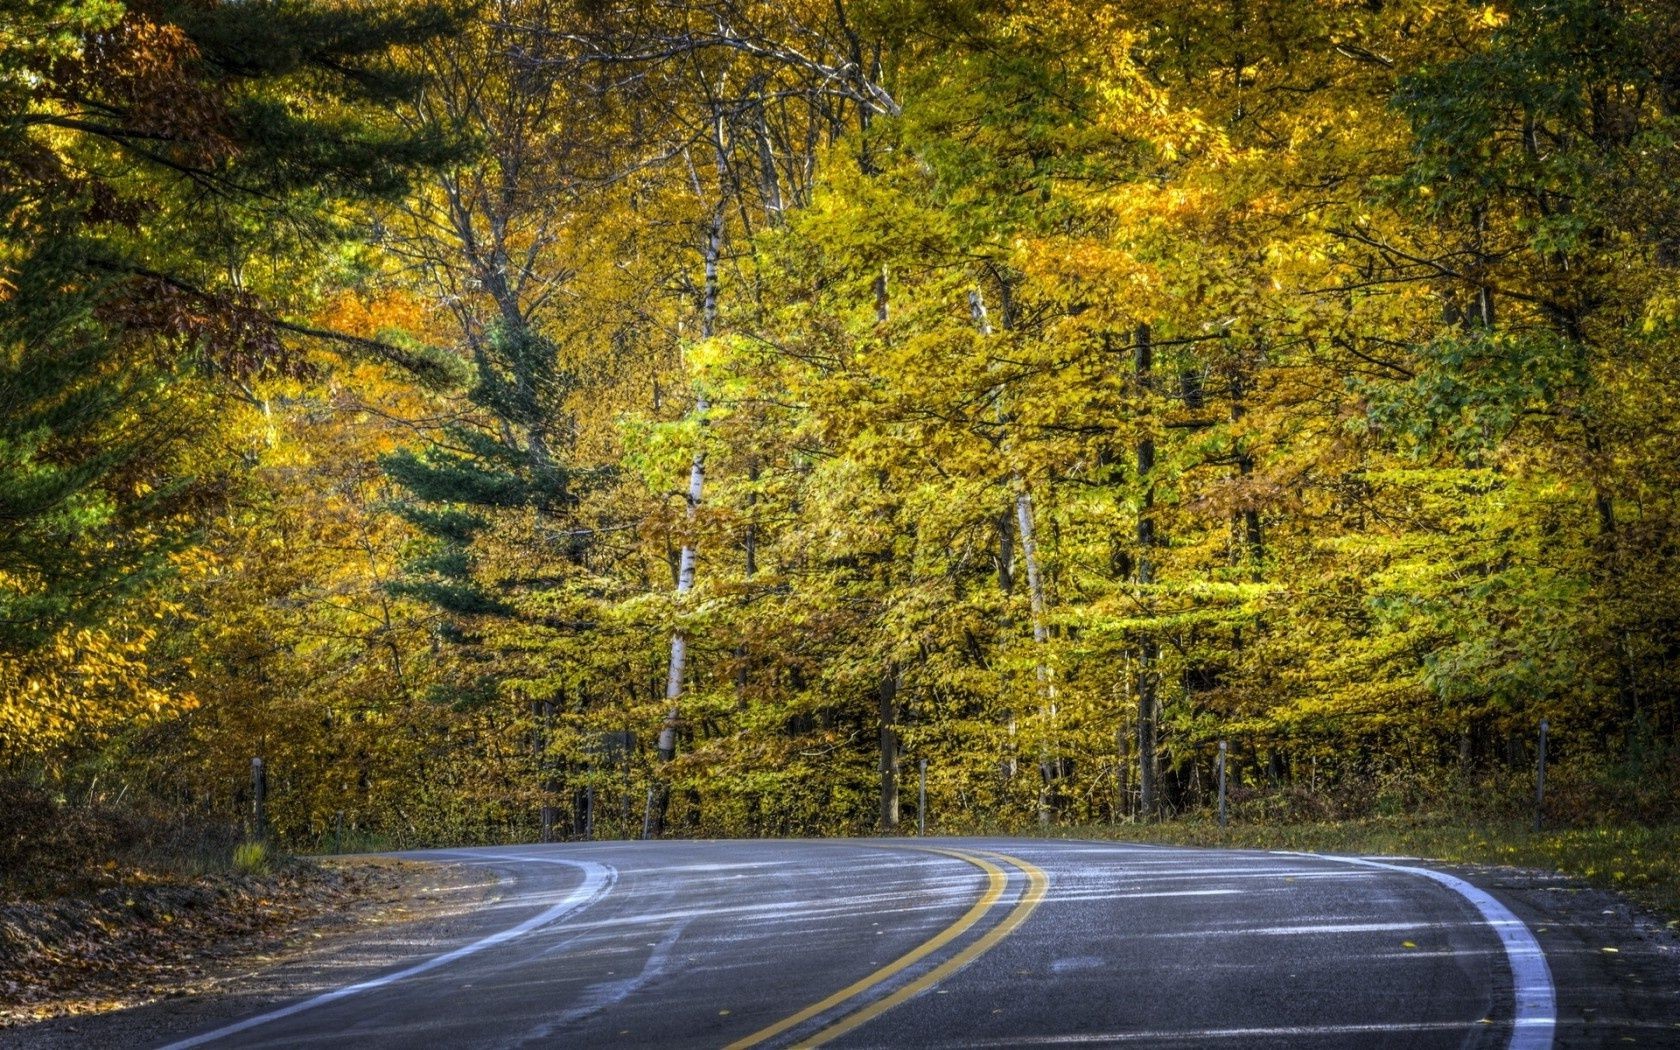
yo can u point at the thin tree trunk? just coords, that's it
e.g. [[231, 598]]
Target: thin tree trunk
[[769, 181], [886, 692], [685, 583], [1048, 761], [1029, 554], [1006, 552], [749, 545], [887, 707], [1149, 652], [1249, 517], [653, 822], [550, 783]]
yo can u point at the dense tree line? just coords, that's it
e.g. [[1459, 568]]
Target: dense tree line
[[614, 418]]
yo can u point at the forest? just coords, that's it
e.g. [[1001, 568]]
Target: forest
[[546, 419]]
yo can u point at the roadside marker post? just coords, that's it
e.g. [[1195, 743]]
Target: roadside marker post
[[921, 801], [259, 799], [1222, 751], [1540, 780]]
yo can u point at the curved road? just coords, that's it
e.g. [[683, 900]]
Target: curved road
[[955, 942]]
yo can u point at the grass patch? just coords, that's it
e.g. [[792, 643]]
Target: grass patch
[[252, 858], [1642, 862], [359, 840]]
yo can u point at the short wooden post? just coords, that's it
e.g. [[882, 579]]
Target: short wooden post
[[1222, 751], [259, 800], [921, 801]]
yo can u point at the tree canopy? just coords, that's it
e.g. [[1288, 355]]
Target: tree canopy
[[611, 418]]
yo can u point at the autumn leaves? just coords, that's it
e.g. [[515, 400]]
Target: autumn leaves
[[1079, 390]]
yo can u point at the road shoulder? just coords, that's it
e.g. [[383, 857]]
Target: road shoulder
[[1616, 967], [312, 944]]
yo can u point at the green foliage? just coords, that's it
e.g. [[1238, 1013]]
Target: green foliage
[[252, 858], [81, 436], [1328, 352], [167, 194]]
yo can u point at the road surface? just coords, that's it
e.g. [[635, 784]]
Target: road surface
[[947, 943]]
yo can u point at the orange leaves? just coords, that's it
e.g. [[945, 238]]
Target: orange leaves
[[372, 316]]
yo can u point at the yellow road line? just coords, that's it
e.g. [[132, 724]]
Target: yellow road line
[[996, 880], [1037, 883]]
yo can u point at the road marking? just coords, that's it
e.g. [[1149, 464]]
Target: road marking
[[1535, 1019], [1198, 1036], [597, 880], [1037, 884], [996, 880], [1305, 929]]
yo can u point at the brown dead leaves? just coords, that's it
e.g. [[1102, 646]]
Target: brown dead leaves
[[144, 937]]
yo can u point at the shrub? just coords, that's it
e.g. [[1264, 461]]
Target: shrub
[[251, 858]]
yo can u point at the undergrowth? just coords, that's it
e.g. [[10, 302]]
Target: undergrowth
[[50, 847]]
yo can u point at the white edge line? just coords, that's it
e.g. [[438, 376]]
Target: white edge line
[[1535, 1020], [597, 880]]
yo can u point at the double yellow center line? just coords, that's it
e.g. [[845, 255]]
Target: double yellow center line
[[996, 881]]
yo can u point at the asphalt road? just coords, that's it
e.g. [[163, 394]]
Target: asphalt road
[[947, 943]]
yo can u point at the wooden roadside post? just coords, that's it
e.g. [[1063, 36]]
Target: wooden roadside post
[[259, 800], [921, 800], [1222, 751], [1540, 780]]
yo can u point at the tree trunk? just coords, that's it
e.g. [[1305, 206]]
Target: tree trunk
[[550, 784], [653, 822], [1149, 652], [767, 174], [749, 546], [1006, 552], [1049, 763], [887, 708], [1249, 516], [1029, 553]]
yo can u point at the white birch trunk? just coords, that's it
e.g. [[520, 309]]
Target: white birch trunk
[[1048, 764], [653, 819], [1029, 553], [685, 582]]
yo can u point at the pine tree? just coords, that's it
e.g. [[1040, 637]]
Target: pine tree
[[173, 175]]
